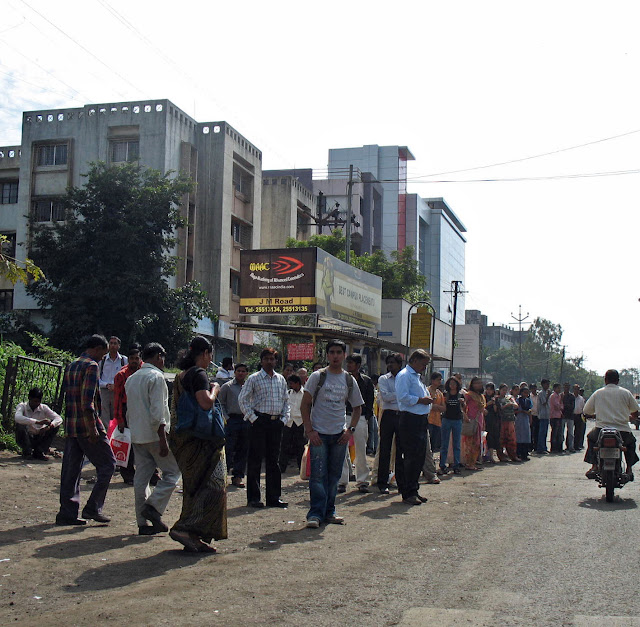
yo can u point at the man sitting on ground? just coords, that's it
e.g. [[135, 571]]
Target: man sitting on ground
[[36, 426]]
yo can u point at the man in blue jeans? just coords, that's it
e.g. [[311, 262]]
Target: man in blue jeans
[[324, 414]]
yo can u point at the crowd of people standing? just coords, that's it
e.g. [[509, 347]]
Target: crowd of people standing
[[411, 423]]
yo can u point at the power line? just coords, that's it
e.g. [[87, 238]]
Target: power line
[[120, 76], [51, 91], [538, 156]]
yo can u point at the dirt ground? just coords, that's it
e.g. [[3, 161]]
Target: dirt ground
[[511, 544]]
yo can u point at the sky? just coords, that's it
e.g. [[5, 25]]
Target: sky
[[464, 84]]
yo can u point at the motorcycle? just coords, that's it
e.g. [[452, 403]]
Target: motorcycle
[[611, 473]]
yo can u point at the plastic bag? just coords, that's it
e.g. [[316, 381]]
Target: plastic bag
[[305, 464], [121, 446]]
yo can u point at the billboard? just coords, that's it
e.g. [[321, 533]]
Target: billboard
[[467, 351], [289, 281]]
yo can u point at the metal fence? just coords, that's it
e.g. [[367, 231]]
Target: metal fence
[[24, 373]]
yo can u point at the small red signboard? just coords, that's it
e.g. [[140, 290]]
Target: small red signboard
[[300, 351]]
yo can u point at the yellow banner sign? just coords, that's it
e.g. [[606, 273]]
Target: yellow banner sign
[[421, 329]]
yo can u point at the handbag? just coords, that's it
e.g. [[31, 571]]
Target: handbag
[[206, 424], [470, 428], [305, 464]]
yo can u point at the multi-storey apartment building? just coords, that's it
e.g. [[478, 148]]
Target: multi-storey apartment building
[[222, 212]]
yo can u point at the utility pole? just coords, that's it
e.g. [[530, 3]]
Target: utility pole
[[321, 204], [561, 364], [455, 290], [520, 319], [347, 226]]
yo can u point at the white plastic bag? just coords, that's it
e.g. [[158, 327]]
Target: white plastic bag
[[121, 446]]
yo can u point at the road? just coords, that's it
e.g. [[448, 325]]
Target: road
[[513, 544]]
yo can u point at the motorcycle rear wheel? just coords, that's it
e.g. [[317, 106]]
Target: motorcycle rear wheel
[[609, 485]]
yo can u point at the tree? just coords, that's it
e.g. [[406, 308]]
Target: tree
[[400, 276], [107, 264], [14, 270]]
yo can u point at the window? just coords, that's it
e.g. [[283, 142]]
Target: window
[[48, 210], [53, 154], [242, 181], [235, 285], [9, 193], [122, 151], [241, 234], [6, 300], [9, 247]]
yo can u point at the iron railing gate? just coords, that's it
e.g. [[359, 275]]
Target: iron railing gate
[[24, 373]]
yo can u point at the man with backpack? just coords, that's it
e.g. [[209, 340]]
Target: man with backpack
[[324, 412]]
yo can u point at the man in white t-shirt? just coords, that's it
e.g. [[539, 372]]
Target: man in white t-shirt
[[324, 413], [612, 407]]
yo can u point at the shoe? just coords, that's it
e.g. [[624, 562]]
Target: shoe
[[456, 470], [334, 520], [423, 499], [442, 471], [313, 523], [434, 481], [572, 450], [279, 503], [256, 504], [352, 478], [237, 482], [91, 480], [128, 481], [384, 490], [364, 489], [26, 454], [342, 489], [61, 520], [591, 474], [101, 518], [41, 456], [147, 530], [154, 517], [412, 500]]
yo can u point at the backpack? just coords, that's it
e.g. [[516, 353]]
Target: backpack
[[105, 359], [323, 378]]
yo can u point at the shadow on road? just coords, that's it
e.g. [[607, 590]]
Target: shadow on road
[[122, 574], [271, 541], [602, 505], [390, 510], [36, 532], [77, 547]]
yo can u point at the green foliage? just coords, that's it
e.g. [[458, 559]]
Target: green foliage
[[400, 276], [8, 441], [42, 349], [14, 270], [106, 265]]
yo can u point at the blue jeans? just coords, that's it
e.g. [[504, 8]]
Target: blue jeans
[[453, 428], [543, 430], [326, 468]]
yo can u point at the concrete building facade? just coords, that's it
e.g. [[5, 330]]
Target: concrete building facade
[[222, 212], [388, 165], [288, 208]]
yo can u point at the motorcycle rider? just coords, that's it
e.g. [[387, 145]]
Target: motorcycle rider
[[612, 406]]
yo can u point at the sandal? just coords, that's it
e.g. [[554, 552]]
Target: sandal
[[185, 539], [434, 480]]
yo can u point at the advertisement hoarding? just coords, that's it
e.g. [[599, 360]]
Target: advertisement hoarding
[[300, 352], [289, 281], [467, 350]]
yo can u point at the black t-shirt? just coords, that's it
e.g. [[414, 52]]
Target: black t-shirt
[[453, 410], [194, 380]]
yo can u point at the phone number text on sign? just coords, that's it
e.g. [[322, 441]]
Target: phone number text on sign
[[275, 309]]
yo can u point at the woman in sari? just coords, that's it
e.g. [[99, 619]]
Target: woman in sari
[[472, 444], [202, 462], [492, 423], [507, 406]]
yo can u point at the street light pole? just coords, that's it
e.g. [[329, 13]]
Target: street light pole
[[347, 226], [520, 320]]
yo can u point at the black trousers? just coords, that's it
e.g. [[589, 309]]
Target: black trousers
[[389, 423], [580, 426], [293, 441], [237, 445], [410, 451], [556, 435], [627, 438], [39, 442], [535, 430], [265, 436]]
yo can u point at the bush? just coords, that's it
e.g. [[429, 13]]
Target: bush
[[8, 441]]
